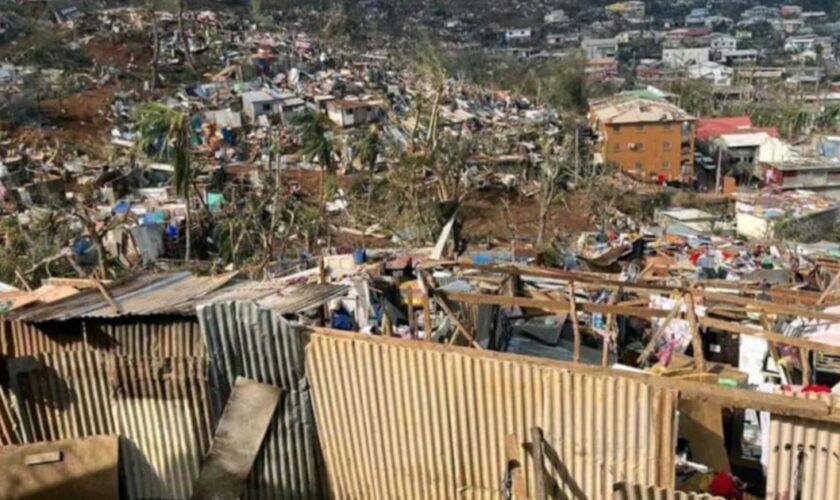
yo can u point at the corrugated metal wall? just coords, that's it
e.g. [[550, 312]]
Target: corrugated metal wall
[[163, 336], [404, 419], [804, 457], [244, 340], [158, 405], [8, 421], [63, 395], [625, 491], [160, 408]]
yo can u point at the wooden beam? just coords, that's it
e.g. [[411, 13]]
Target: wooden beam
[[651, 345], [829, 288], [538, 459], [556, 306], [805, 360], [575, 325], [107, 295], [696, 340], [769, 307], [458, 325], [770, 336]]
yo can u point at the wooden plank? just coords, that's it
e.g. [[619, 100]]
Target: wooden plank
[[702, 425], [805, 360], [769, 307], [538, 459], [238, 439], [575, 325], [514, 463], [557, 306]]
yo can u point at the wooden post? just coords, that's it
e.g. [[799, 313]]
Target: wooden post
[[107, 295], [427, 317], [538, 454], [412, 320], [609, 323], [575, 326], [514, 468], [805, 359], [696, 340]]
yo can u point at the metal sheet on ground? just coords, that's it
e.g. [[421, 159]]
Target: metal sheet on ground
[[238, 439]]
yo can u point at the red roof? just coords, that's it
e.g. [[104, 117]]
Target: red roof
[[713, 127], [708, 128]]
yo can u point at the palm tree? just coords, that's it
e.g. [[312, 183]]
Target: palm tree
[[367, 147], [164, 134], [315, 134]]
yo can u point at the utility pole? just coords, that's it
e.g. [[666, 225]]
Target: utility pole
[[577, 153], [717, 176]]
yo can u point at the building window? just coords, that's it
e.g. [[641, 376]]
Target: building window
[[640, 127], [266, 107], [616, 147], [666, 146], [616, 128], [667, 127], [666, 165], [639, 165]]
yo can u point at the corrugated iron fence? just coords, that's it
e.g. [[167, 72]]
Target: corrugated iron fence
[[245, 340], [804, 457], [407, 420], [158, 406]]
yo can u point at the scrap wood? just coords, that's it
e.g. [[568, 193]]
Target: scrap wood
[[107, 295], [515, 471], [441, 300], [538, 459], [245, 420], [696, 340]]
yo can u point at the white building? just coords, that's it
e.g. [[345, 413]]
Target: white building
[[720, 42], [684, 56], [520, 34], [557, 16], [742, 56], [716, 73], [257, 103], [600, 48]]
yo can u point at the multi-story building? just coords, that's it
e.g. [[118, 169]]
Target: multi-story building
[[650, 139]]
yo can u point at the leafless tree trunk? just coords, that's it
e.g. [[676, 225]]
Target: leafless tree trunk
[[185, 43], [155, 43]]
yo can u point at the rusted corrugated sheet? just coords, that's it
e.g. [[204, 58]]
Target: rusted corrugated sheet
[[8, 421], [406, 419], [160, 408], [244, 340], [150, 336], [625, 491], [158, 336], [804, 459], [61, 396], [173, 293]]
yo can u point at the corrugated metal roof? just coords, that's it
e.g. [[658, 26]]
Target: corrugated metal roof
[[245, 340], [173, 293], [405, 419]]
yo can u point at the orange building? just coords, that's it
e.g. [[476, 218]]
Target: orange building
[[649, 139]]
